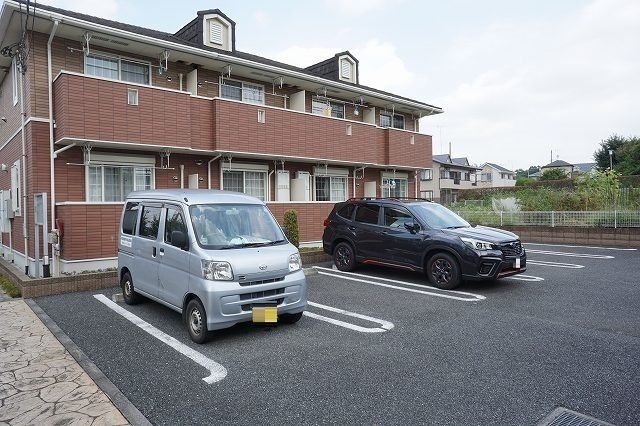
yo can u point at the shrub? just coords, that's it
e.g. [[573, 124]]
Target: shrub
[[291, 227], [9, 287]]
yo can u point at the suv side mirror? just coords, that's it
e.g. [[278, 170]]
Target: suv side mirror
[[179, 239], [412, 227]]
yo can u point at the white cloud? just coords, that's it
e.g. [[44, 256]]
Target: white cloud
[[355, 7], [107, 9], [524, 90]]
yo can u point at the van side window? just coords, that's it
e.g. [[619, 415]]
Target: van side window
[[174, 222], [368, 213], [130, 218], [150, 222]]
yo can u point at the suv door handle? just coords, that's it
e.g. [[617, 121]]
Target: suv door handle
[[352, 228]]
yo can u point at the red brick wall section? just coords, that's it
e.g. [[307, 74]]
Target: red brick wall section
[[90, 231], [402, 151]]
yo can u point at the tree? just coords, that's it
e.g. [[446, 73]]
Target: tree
[[626, 153], [553, 174], [525, 173], [599, 190]]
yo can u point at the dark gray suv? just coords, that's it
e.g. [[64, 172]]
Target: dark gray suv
[[419, 235]]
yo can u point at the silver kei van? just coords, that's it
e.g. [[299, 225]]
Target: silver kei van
[[217, 257]]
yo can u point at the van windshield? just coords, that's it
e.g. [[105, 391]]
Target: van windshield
[[229, 226]]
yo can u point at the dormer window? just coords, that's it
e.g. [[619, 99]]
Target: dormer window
[[347, 69], [217, 32]]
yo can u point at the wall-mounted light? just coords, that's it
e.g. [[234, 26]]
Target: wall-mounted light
[[356, 110], [3, 167], [199, 84], [4, 119], [198, 162], [175, 178], [169, 78]]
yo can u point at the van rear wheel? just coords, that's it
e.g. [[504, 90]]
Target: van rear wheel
[[128, 292], [196, 321]]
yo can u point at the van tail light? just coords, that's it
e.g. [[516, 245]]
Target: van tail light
[[326, 222]]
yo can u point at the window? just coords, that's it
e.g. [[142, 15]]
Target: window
[[347, 211], [14, 80], [397, 217], [261, 116], [132, 97], [467, 176], [113, 183], [444, 173], [485, 177], [215, 32], [331, 188], [367, 213], [426, 174], [16, 202], [173, 222], [150, 222], [240, 91], [117, 68], [426, 194], [396, 120], [130, 218], [345, 69], [250, 182], [327, 107], [395, 187]]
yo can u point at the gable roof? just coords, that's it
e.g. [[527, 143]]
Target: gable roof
[[557, 163], [462, 161], [446, 160], [584, 167], [497, 167]]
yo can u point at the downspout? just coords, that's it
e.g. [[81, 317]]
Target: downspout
[[180, 76], [269, 185], [25, 197], [181, 176], [52, 179], [209, 168], [415, 182]]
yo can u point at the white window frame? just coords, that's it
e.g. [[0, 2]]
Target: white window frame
[[243, 97], [426, 174], [102, 161], [244, 168], [387, 177], [120, 59], [16, 189], [216, 32], [132, 96], [14, 80], [328, 107], [337, 177], [392, 118], [428, 194]]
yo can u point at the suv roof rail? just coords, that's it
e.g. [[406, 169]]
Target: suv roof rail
[[397, 199]]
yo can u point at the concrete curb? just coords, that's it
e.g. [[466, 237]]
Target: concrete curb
[[128, 410]]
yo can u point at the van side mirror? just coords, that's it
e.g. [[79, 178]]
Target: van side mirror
[[179, 239]]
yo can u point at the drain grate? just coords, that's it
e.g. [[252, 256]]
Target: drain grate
[[564, 417]]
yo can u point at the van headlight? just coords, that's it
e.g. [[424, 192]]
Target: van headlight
[[216, 271], [477, 244], [295, 263]]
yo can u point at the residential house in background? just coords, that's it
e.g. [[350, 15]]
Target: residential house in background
[[558, 164], [95, 109], [495, 176], [447, 177], [571, 170], [584, 168]]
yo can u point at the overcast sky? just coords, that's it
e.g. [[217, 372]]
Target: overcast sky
[[516, 79]]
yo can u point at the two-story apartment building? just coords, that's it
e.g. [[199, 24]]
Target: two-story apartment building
[[495, 176], [92, 109], [447, 177]]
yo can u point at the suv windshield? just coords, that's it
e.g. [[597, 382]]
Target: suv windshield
[[437, 216], [229, 226]]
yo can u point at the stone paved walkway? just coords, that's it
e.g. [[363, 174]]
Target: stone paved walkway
[[40, 382]]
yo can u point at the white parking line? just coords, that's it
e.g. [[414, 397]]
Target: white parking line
[[589, 247], [554, 264], [561, 253], [384, 325], [352, 277], [218, 372], [526, 278]]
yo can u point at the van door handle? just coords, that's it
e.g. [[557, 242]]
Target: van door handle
[[153, 253], [161, 252]]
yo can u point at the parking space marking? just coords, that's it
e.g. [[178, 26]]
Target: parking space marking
[[354, 277], [526, 278], [384, 325], [217, 371], [589, 247], [554, 264], [562, 253]]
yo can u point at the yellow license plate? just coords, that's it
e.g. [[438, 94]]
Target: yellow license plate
[[264, 314]]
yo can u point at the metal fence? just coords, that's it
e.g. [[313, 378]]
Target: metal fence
[[604, 219]]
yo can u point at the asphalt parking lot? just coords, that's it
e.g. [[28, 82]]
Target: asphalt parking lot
[[380, 346]]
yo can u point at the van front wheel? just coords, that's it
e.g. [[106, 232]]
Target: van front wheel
[[196, 321], [128, 292]]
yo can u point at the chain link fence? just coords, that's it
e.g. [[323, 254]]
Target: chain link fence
[[604, 219]]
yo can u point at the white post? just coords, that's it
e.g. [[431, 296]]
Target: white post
[[553, 219], [615, 218]]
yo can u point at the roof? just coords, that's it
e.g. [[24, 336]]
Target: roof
[[195, 196], [461, 162], [177, 39], [497, 167], [584, 167], [557, 163]]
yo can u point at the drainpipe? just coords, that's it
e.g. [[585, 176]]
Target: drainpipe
[[52, 179], [181, 176], [25, 197], [269, 185], [415, 183], [209, 166], [180, 76]]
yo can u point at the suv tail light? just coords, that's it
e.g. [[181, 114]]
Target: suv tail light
[[326, 222]]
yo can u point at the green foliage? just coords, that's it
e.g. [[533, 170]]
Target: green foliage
[[599, 190], [626, 154], [524, 181], [522, 173], [553, 174], [290, 227], [9, 287]]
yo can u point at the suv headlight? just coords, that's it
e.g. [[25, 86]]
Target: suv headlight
[[295, 263], [216, 271], [477, 244]]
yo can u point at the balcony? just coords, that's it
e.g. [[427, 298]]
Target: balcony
[[90, 108]]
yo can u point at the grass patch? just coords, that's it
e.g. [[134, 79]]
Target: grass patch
[[309, 249], [9, 287]]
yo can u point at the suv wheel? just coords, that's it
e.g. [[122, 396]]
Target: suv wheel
[[443, 271], [344, 257]]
